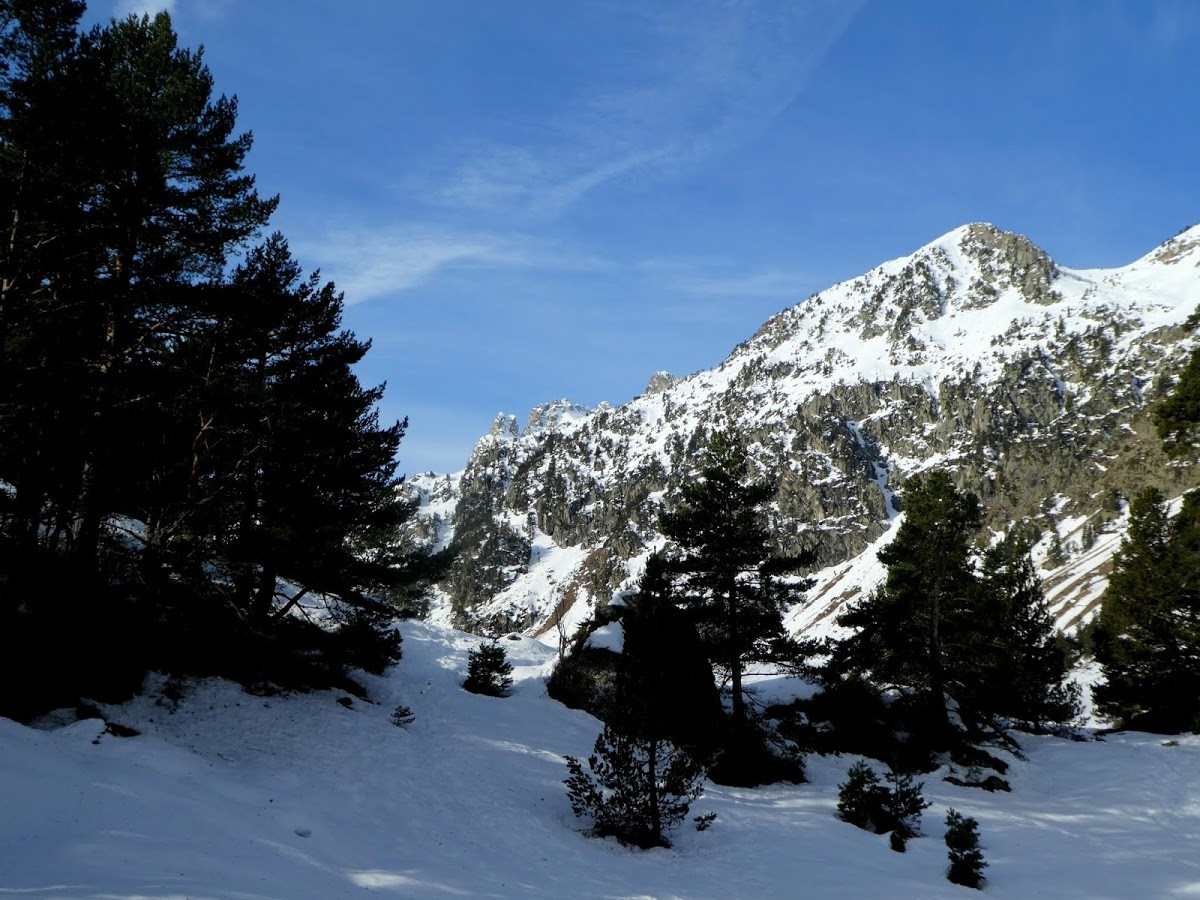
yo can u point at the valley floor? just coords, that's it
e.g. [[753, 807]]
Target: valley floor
[[228, 795]]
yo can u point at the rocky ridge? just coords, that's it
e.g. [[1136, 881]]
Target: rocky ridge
[[978, 353]]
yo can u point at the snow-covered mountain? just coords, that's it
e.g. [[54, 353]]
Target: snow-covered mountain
[[978, 353]]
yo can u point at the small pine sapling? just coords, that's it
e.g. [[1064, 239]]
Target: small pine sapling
[[402, 717], [861, 798], [966, 859], [635, 788], [488, 671], [867, 803], [905, 803]]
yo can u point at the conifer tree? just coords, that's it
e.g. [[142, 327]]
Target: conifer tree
[[966, 859], [869, 804], [729, 575], [1022, 668], [635, 788], [1178, 416], [488, 670], [919, 628], [639, 781], [1147, 636]]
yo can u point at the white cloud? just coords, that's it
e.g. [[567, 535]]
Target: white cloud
[[766, 283], [367, 263], [142, 7], [370, 263]]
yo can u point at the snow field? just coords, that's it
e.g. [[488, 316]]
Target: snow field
[[238, 796]]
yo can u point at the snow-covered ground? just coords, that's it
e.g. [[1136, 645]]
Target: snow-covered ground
[[228, 795]]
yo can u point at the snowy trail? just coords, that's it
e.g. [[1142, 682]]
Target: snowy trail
[[234, 796]]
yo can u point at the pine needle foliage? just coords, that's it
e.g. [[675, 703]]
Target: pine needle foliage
[[966, 859], [488, 671], [635, 788], [1147, 636], [866, 802]]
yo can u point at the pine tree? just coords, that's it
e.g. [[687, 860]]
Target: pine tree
[[861, 798], [966, 859], [919, 629], [869, 804], [488, 671], [662, 664], [640, 781], [1022, 668], [635, 787], [1178, 416], [904, 806], [729, 575], [1147, 636]]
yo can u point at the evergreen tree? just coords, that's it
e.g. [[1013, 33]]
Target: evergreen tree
[[867, 803], [635, 787], [1147, 636], [1177, 417], [1023, 667], [966, 859], [639, 780], [920, 629], [488, 671], [125, 187], [861, 798], [662, 664], [729, 575]]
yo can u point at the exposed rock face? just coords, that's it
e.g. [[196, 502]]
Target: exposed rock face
[[977, 353]]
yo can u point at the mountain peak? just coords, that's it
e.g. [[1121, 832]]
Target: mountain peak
[[547, 416]]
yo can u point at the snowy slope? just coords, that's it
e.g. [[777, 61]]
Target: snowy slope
[[235, 796]]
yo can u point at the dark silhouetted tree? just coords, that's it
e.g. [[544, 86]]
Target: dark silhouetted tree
[[729, 575], [1147, 636]]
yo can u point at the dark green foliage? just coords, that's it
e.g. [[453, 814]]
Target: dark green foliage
[[402, 717], [141, 380], [488, 671], [586, 679], [661, 648], [903, 809], [896, 807], [1023, 667], [1056, 555], [1147, 636], [966, 859], [861, 798], [918, 629], [729, 577], [938, 626], [1088, 538], [635, 788], [642, 781], [1178, 416], [664, 665]]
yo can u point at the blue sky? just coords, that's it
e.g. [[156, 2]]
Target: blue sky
[[539, 198]]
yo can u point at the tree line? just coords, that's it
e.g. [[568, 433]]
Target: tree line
[[185, 450]]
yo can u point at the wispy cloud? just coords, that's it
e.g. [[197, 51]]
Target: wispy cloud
[[370, 263], [542, 184], [142, 7], [764, 283], [714, 77], [367, 263]]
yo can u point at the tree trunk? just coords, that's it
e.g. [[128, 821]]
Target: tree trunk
[[652, 774], [937, 677]]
